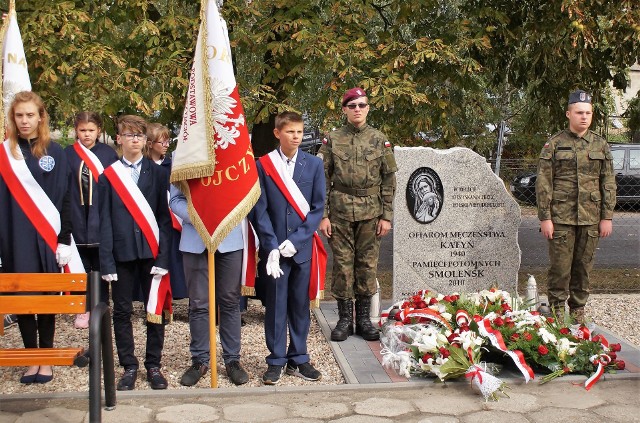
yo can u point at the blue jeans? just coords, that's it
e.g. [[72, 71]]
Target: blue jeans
[[228, 272]]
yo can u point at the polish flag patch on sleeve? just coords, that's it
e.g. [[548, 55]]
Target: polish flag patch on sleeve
[[387, 144], [324, 141]]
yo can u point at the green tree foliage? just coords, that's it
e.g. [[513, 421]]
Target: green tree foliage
[[436, 70]]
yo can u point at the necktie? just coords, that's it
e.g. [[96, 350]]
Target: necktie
[[135, 173]]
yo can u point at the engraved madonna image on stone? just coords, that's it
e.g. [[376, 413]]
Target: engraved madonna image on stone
[[424, 195]]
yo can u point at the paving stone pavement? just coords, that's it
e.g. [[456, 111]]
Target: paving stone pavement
[[371, 395]]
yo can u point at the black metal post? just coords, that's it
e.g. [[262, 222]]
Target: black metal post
[[100, 346]]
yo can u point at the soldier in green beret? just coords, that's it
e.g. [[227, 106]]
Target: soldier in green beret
[[576, 195], [360, 175]]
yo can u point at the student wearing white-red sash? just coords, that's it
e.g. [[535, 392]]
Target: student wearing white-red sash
[[87, 164], [158, 137], [22, 246], [286, 241], [133, 200]]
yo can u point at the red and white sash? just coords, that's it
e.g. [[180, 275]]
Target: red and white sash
[[90, 159], [275, 168], [160, 294], [249, 259], [35, 204]]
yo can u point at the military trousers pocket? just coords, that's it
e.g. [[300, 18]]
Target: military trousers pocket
[[591, 243], [560, 247]]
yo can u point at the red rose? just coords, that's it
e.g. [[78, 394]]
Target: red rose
[[550, 320], [543, 350], [498, 321], [455, 297], [447, 298], [515, 337], [421, 304], [527, 336], [566, 370], [506, 307], [464, 327], [620, 364], [492, 290], [564, 331], [612, 355], [405, 304], [444, 352], [535, 313], [426, 357], [615, 347], [511, 325], [596, 338], [451, 337], [433, 301]]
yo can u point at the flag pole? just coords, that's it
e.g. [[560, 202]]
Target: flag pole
[[212, 321]]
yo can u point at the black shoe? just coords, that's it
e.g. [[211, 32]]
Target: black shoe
[[128, 380], [40, 378], [156, 379], [272, 375], [10, 320], [29, 378], [304, 370], [193, 374], [236, 373]]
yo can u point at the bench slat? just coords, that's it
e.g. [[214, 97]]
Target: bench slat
[[43, 282], [39, 356], [43, 304]]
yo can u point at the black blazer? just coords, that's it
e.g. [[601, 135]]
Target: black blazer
[[120, 237]]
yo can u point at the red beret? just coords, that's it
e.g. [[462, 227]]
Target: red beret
[[351, 94]]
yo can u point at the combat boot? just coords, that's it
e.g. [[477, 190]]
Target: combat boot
[[558, 312], [364, 327], [577, 315], [344, 327]]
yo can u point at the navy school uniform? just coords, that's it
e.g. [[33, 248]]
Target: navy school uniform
[[125, 251]]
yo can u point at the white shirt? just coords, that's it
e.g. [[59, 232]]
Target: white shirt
[[290, 162]]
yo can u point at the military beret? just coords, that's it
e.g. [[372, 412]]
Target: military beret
[[351, 94], [579, 96]]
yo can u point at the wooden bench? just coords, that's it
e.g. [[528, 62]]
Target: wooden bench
[[35, 297], [40, 293]]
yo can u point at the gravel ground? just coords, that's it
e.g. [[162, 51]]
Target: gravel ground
[[606, 310], [176, 358]]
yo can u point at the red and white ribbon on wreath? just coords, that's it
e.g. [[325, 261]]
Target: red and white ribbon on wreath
[[495, 337], [602, 360]]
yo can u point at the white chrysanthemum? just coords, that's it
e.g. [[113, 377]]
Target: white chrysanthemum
[[547, 337], [446, 315]]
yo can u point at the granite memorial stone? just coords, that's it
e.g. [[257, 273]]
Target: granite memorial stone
[[455, 225]]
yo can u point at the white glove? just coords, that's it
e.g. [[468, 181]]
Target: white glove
[[158, 271], [287, 249], [273, 264], [112, 277], [63, 255]]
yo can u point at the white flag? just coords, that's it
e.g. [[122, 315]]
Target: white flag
[[15, 75]]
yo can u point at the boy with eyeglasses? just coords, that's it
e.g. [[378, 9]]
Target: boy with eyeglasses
[[135, 228], [360, 176]]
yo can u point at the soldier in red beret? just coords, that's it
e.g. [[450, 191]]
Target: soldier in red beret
[[360, 175]]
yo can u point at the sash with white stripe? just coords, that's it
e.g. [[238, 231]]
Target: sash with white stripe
[[35, 204], [90, 159], [138, 206], [275, 168]]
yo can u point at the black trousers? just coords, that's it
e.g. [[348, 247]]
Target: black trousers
[[91, 261], [122, 295], [34, 328]]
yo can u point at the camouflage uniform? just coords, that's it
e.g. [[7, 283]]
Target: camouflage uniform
[[360, 171], [575, 188]]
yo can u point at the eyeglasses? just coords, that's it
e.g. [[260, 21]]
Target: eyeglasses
[[359, 105], [130, 137], [164, 143]]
